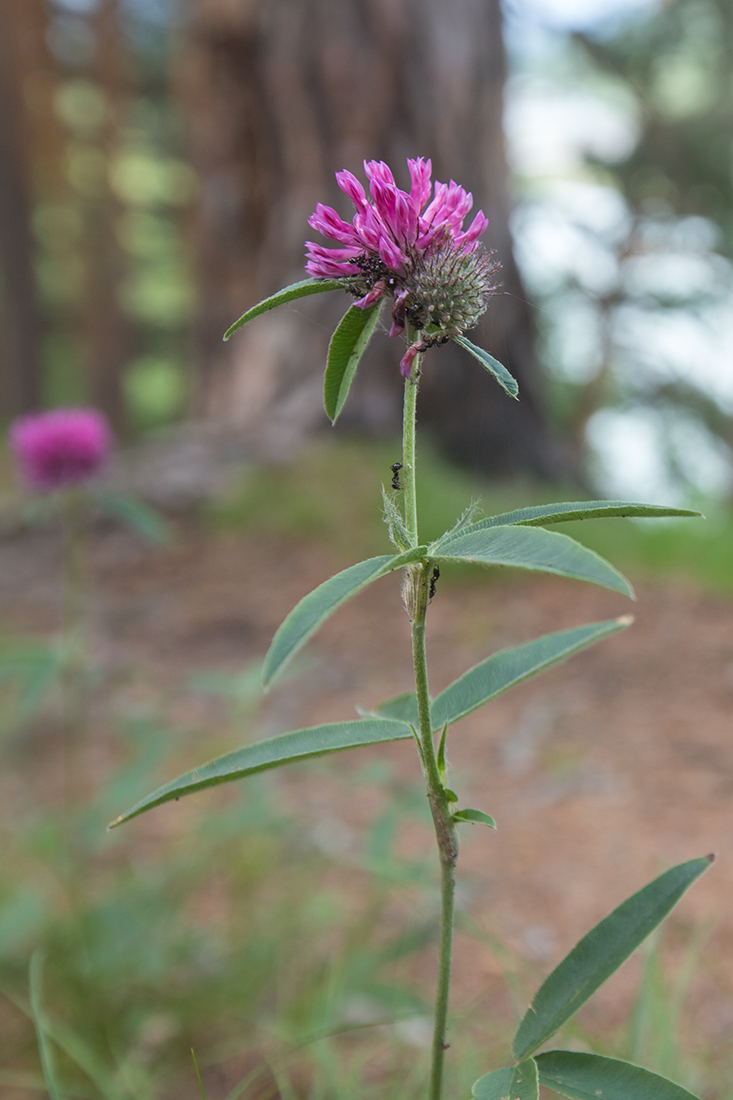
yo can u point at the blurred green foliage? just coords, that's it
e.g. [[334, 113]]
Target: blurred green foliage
[[262, 941]]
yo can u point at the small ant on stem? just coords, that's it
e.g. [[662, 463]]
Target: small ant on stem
[[395, 468], [433, 582]]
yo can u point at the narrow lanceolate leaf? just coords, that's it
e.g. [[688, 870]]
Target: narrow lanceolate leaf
[[540, 514], [315, 608], [498, 673], [348, 343], [506, 380], [530, 548], [591, 1077], [513, 1083], [476, 817], [402, 707], [287, 294], [600, 953], [509, 667], [288, 748]]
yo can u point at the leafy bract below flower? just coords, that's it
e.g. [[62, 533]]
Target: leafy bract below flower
[[410, 247], [61, 448]]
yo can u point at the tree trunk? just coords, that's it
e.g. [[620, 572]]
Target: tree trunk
[[20, 314], [282, 93], [107, 329]]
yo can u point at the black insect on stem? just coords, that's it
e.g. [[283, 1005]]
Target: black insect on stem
[[395, 468], [433, 581]]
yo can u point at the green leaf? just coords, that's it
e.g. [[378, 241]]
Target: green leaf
[[288, 748], [476, 817], [591, 1077], [530, 548], [525, 1084], [498, 673], [348, 343], [287, 294], [134, 513], [541, 514], [402, 707], [509, 667], [600, 953], [493, 1086], [315, 608], [441, 751], [493, 366], [395, 522], [512, 1083]]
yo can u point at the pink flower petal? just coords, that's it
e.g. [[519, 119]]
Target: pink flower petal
[[408, 359], [420, 172], [326, 221], [350, 185]]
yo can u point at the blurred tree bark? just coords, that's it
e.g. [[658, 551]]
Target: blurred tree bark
[[107, 329], [22, 28], [280, 94]]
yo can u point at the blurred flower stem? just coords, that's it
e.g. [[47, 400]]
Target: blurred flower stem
[[74, 654]]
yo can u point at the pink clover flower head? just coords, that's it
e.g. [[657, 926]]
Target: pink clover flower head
[[61, 448], [410, 247]]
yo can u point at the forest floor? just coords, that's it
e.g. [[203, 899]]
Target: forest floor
[[600, 773]]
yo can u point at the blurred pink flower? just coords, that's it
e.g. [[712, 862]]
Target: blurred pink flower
[[411, 248], [60, 448]]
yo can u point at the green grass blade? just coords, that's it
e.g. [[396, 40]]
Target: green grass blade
[[288, 748], [68, 1041], [530, 548], [198, 1075], [348, 344], [496, 369], [318, 605], [287, 294], [44, 1047], [600, 953], [541, 514], [591, 1077], [508, 667], [512, 1083]]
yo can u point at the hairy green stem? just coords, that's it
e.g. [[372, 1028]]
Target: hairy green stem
[[418, 590], [408, 452]]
